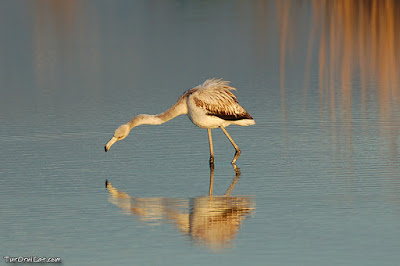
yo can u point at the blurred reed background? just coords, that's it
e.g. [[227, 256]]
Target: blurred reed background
[[354, 40]]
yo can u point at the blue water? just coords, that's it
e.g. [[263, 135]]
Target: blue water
[[319, 178]]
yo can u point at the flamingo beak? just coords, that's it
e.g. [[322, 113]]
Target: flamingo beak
[[110, 143]]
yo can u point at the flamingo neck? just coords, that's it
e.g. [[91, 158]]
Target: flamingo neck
[[179, 108]]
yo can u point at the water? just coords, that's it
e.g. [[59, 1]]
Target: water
[[319, 180]]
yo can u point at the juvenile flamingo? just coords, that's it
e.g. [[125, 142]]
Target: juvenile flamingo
[[209, 105]]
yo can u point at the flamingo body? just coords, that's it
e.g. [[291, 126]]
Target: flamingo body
[[209, 105]]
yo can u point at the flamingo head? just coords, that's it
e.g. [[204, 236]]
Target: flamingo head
[[120, 133]]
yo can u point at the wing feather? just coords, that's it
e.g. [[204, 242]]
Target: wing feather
[[216, 98]]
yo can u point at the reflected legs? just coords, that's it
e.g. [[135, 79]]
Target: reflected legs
[[233, 184], [237, 169], [234, 181]]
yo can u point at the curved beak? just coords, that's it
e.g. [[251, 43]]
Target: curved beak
[[110, 143]]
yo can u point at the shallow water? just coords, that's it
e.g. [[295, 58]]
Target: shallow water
[[319, 177]]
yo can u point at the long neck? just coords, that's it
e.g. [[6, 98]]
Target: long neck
[[179, 108]]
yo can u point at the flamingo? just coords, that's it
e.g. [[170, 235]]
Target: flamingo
[[209, 105]]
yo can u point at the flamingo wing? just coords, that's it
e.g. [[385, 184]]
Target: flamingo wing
[[215, 97]]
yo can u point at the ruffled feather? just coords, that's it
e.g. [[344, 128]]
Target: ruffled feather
[[215, 97]]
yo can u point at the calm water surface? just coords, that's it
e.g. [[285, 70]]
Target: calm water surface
[[319, 177]]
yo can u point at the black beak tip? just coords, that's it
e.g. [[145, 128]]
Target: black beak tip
[[105, 148]]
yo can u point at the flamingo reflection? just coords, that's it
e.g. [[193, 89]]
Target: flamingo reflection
[[213, 221]]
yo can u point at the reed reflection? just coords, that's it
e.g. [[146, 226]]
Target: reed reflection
[[357, 46], [353, 40], [213, 221]]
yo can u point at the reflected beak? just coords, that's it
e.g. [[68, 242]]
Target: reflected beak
[[110, 143]]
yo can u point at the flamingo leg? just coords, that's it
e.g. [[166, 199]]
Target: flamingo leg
[[211, 146], [237, 153], [210, 191]]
